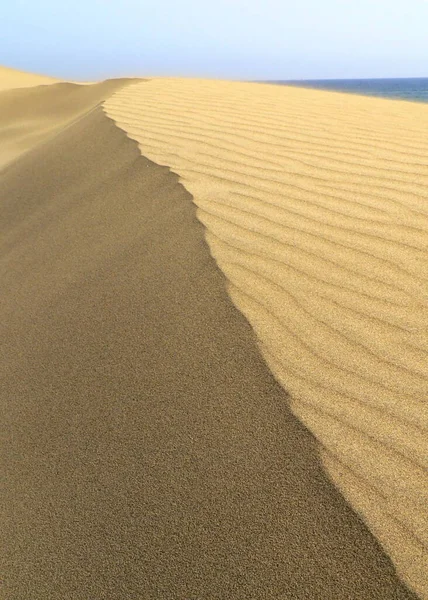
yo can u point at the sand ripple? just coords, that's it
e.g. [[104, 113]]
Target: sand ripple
[[315, 207]]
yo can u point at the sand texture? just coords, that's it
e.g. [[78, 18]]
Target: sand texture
[[147, 450], [316, 210]]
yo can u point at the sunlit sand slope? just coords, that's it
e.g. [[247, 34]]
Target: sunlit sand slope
[[11, 78], [316, 209]]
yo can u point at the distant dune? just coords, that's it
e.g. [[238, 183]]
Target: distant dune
[[149, 447], [11, 78], [30, 116]]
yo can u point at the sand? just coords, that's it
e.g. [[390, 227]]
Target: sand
[[148, 449], [316, 210]]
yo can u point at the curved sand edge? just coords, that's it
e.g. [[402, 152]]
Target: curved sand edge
[[315, 209]]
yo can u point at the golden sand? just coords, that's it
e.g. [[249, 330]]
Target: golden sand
[[316, 209]]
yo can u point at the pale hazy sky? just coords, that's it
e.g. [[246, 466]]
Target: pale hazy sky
[[239, 39]]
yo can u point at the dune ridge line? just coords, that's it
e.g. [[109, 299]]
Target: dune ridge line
[[315, 208]]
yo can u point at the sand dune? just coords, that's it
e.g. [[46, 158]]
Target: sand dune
[[316, 210], [148, 452]]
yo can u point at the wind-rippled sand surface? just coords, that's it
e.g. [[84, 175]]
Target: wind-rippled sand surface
[[316, 209]]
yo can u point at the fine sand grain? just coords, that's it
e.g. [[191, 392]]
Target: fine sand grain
[[148, 452], [316, 210]]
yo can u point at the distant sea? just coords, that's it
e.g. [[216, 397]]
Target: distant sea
[[413, 89]]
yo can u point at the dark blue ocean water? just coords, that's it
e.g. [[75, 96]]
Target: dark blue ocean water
[[414, 89]]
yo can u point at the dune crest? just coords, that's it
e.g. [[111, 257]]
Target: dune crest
[[315, 208]]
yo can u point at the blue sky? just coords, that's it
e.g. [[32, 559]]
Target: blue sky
[[231, 39]]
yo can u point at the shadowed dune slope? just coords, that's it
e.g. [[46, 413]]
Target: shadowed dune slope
[[29, 116], [12, 78], [148, 452], [316, 210]]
